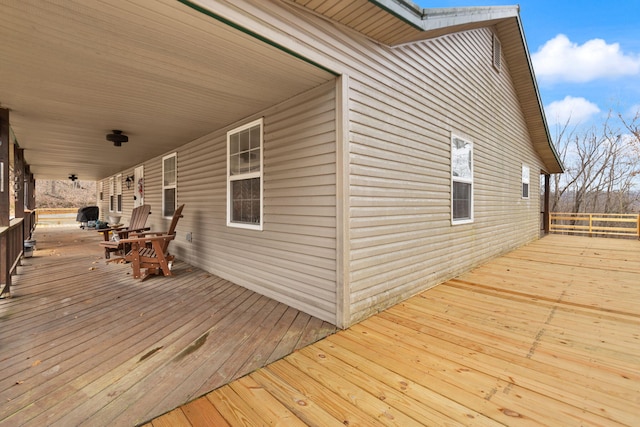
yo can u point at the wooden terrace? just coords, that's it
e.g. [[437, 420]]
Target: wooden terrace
[[83, 343], [547, 335]]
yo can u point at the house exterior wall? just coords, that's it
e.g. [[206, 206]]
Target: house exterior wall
[[402, 237], [293, 259], [388, 180], [403, 106]]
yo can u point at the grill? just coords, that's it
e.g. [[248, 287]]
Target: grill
[[87, 214]]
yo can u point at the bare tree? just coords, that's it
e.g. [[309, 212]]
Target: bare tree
[[65, 194], [602, 168]]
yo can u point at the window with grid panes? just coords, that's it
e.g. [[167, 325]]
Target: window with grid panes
[[244, 176]]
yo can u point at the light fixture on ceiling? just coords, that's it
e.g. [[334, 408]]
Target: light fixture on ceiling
[[128, 181], [117, 137]]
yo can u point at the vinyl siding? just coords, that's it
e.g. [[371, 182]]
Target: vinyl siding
[[293, 258], [402, 105], [402, 240]]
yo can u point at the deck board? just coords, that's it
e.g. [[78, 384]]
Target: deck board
[[548, 334], [83, 343]]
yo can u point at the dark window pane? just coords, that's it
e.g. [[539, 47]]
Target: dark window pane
[[246, 189], [246, 201], [255, 209], [236, 215], [461, 200], [169, 202], [525, 190]]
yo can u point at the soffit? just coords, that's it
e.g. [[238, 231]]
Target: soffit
[[160, 71], [397, 22]]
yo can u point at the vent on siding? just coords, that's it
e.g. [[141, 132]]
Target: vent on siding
[[497, 53]]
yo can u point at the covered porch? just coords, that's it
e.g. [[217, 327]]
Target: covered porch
[[82, 342]]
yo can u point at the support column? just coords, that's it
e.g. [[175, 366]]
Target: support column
[[30, 185], [4, 167], [547, 195], [18, 171], [5, 263]]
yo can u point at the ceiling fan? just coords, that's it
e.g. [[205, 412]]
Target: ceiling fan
[[117, 137]]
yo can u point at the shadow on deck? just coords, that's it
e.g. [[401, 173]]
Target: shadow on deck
[[83, 343]]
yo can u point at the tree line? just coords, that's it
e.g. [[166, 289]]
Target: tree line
[[602, 167]]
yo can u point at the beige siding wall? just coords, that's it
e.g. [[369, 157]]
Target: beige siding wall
[[403, 105], [402, 238], [293, 259]]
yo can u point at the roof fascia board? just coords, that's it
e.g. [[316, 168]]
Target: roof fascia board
[[539, 98], [405, 11], [435, 19], [428, 19]]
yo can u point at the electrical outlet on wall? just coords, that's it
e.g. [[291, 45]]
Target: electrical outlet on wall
[[189, 237]]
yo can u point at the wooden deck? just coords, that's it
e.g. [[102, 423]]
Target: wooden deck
[[83, 343], [547, 335]]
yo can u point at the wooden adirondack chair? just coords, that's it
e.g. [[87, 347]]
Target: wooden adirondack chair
[[137, 223], [149, 251]]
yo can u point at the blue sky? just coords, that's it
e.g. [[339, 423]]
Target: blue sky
[[586, 55]]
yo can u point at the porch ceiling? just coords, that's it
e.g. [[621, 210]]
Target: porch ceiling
[[160, 71]]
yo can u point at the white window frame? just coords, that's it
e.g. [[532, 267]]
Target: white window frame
[[466, 180], [118, 192], [169, 186], [244, 176], [526, 182], [112, 201]]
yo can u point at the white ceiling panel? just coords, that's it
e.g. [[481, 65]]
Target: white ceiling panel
[[165, 74]]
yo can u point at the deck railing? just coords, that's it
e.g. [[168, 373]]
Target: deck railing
[[29, 223], [595, 224], [11, 248], [56, 216]]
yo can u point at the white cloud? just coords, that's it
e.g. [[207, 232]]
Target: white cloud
[[570, 110], [633, 111], [559, 59]]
